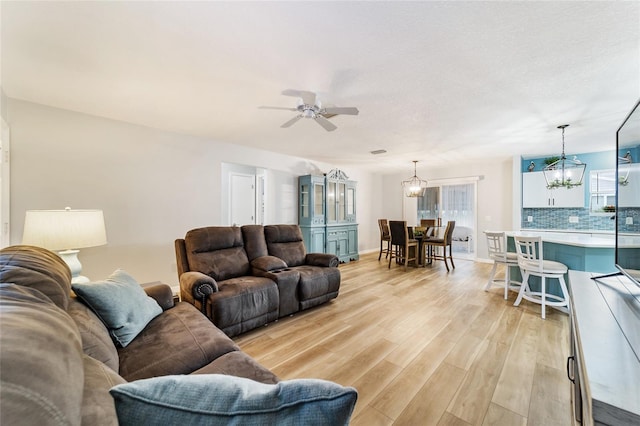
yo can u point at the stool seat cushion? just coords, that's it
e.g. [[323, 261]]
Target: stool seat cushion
[[510, 257], [548, 267]]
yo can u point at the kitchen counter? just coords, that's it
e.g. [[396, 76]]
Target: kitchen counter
[[577, 239], [579, 251], [593, 252]]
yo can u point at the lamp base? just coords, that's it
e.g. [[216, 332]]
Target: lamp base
[[70, 257]]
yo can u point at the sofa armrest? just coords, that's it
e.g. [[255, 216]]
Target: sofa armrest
[[196, 287], [263, 264], [161, 293], [322, 259]]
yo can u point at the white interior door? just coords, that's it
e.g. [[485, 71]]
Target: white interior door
[[242, 194]]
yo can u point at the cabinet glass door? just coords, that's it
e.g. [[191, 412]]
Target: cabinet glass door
[[318, 200], [351, 201], [341, 202], [331, 201], [304, 201]]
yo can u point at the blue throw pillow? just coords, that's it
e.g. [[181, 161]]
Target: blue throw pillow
[[216, 399], [121, 304]]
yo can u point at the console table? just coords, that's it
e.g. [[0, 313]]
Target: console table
[[605, 344]]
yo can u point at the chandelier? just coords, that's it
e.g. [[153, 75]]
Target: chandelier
[[414, 186], [564, 173]]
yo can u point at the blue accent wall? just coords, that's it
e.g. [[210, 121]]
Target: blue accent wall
[[550, 218]]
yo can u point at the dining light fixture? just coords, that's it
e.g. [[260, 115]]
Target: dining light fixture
[[414, 186], [65, 231], [564, 173]]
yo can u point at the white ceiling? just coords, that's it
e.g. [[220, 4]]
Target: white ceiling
[[434, 81]]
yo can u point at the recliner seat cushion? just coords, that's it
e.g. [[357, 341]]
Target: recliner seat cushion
[[238, 363], [317, 285], [217, 251], [178, 341], [243, 303]]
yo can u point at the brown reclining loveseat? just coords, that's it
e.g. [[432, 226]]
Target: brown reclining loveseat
[[246, 277]]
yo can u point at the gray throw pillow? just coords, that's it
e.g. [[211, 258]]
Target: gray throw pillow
[[121, 304], [216, 399]]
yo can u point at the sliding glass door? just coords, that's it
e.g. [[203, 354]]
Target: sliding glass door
[[453, 202]]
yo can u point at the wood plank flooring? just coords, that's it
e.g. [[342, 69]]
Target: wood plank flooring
[[427, 347]]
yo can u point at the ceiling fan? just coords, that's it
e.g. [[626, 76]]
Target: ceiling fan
[[310, 107]]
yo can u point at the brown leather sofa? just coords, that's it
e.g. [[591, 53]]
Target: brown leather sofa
[[58, 360], [245, 277]]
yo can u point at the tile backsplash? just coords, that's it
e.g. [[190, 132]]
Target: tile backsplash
[[561, 219]]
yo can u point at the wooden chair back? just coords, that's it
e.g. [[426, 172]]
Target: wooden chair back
[[403, 244]]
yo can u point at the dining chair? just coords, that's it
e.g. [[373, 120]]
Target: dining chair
[[496, 244], [531, 262], [433, 243], [385, 236], [401, 244], [427, 222]]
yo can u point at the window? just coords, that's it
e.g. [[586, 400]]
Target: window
[[602, 191]]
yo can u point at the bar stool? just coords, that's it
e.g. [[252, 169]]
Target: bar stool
[[531, 262], [497, 246]]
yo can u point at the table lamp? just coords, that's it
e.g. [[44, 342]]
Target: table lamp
[[65, 231]]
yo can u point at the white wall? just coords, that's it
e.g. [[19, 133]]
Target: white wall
[[153, 186]]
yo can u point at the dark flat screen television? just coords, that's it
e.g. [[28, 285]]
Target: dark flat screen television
[[627, 248]]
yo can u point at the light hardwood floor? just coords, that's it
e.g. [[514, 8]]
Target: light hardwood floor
[[427, 347]]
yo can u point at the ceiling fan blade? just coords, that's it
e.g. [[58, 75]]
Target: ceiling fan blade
[[341, 110], [308, 98], [292, 121], [328, 126], [272, 107]]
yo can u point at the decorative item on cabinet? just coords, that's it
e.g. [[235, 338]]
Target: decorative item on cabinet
[[327, 214]]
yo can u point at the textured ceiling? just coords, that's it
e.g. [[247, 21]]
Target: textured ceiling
[[434, 81]]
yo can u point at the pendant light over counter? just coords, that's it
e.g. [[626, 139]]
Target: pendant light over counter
[[414, 186], [564, 173]]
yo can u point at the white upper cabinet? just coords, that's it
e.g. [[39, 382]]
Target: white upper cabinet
[[536, 195]]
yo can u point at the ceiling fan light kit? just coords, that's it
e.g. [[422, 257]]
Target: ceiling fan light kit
[[414, 186], [311, 108], [564, 173]]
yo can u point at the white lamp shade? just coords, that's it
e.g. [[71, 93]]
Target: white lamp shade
[[64, 229]]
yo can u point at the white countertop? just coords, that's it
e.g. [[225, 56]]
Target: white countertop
[[592, 240]]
